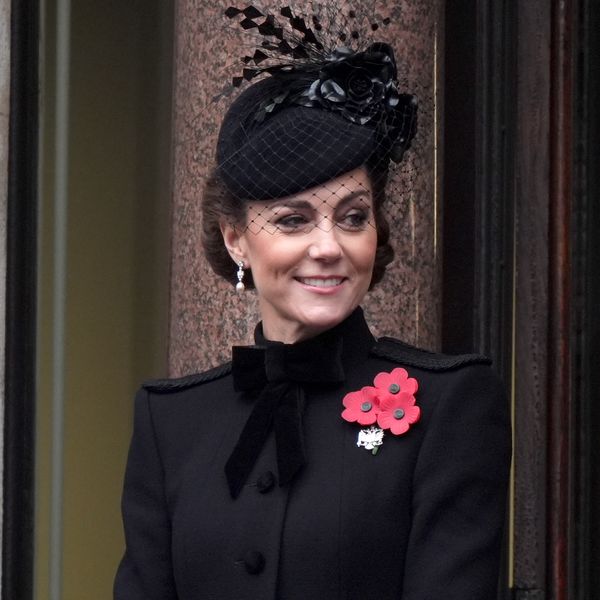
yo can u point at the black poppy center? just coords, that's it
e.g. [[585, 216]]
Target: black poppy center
[[359, 85], [366, 406]]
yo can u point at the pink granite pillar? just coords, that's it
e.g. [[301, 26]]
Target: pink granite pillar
[[207, 316]]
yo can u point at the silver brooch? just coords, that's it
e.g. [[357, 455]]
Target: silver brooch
[[370, 439]]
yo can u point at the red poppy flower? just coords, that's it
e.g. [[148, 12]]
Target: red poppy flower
[[398, 412], [361, 407], [395, 382]]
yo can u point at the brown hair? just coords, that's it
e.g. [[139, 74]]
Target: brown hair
[[219, 204]]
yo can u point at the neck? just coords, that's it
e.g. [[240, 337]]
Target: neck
[[290, 334], [308, 324]]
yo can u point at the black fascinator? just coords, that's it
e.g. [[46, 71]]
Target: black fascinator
[[313, 109]]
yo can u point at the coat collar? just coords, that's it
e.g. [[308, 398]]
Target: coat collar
[[353, 335]]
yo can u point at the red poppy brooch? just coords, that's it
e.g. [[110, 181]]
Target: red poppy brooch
[[390, 404]]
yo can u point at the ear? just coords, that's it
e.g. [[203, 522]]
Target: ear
[[235, 242]]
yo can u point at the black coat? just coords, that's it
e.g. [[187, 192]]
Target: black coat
[[420, 520]]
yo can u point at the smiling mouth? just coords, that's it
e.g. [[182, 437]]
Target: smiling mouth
[[320, 281]]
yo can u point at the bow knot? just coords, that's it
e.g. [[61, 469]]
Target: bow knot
[[280, 371]]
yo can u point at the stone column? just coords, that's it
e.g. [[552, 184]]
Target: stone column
[[207, 316]]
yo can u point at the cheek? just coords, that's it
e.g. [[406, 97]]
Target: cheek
[[272, 254], [365, 254]]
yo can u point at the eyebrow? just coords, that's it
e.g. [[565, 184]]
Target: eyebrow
[[305, 204]]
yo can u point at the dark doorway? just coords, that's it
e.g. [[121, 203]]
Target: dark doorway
[[586, 299], [19, 415]]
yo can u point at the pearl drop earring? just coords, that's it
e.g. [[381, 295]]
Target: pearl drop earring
[[240, 287]]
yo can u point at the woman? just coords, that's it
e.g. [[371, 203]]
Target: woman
[[319, 463]]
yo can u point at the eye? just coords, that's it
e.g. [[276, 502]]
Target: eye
[[292, 222], [354, 220]]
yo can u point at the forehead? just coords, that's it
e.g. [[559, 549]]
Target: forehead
[[354, 181]]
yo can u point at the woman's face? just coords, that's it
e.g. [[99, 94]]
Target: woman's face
[[311, 255]]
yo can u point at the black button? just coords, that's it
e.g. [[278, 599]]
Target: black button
[[265, 482], [254, 562]]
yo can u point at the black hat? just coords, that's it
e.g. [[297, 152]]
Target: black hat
[[305, 124]]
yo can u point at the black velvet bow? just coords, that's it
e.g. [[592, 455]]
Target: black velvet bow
[[279, 372]]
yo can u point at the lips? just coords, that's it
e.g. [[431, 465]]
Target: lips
[[321, 282]]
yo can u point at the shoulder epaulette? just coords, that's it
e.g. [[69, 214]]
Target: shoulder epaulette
[[181, 383], [406, 354]]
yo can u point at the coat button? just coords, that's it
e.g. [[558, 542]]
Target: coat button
[[265, 482], [254, 562]]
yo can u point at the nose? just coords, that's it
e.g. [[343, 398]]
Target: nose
[[324, 245]]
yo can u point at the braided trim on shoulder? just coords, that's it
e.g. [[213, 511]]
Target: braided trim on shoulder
[[392, 349], [181, 383]]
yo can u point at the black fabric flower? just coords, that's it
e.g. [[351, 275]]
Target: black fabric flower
[[359, 85]]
